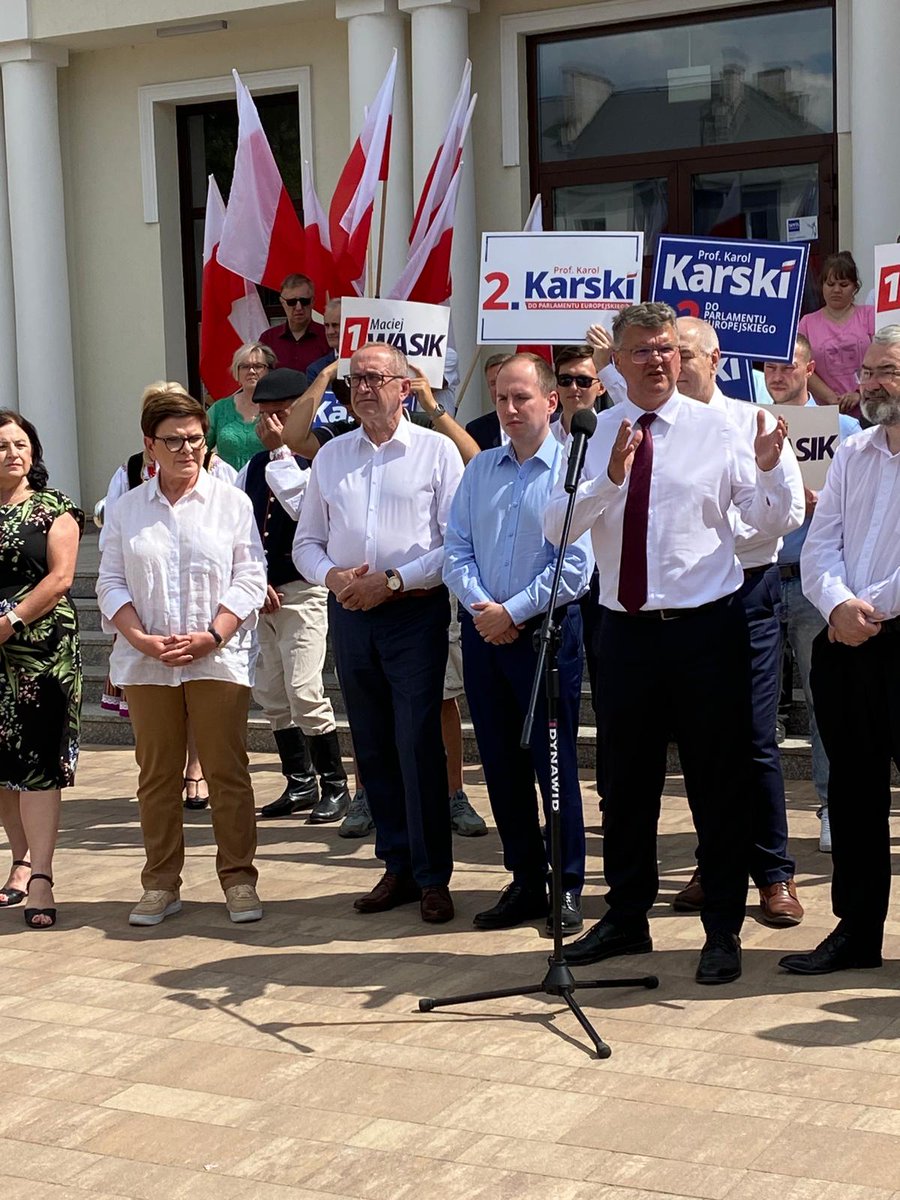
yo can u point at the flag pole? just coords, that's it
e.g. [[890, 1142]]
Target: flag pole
[[381, 222], [467, 379]]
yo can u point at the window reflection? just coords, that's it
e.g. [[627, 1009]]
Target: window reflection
[[743, 79], [640, 205]]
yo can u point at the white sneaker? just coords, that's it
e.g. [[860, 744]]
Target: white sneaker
[[242, 903], [825, 832], [153, 907]]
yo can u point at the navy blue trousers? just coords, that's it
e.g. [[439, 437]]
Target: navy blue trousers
[[689, 677], [770, 861], [390, 664], [498, 687]]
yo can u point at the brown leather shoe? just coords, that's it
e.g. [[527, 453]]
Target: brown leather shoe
[[779, 903], [437, 905], [690, 898], [389, 892]]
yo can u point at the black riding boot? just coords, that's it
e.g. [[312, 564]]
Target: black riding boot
[[326, 756], [302, 791]]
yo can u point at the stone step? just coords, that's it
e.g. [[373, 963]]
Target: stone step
[[88, 613], [95, 648]]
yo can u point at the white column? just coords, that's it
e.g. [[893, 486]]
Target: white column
[[375, 28], [9, 397], [874, 103], [440, 47], [40, 273]]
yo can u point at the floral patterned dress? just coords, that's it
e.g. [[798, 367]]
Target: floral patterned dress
[[40, 666]]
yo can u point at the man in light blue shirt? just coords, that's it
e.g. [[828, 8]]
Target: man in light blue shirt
[[499, 564], [801, 621]]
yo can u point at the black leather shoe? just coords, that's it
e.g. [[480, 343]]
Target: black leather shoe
[[332, 806], [572, 920], [605, 940], [838, 952], [301, 793], [720, 958], [516, 905]]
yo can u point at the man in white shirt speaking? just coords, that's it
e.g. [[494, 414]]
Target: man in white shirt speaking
[[850, 570], [372, 531], [660, 477]]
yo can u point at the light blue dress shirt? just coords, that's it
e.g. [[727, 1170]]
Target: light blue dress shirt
[[494, 547]]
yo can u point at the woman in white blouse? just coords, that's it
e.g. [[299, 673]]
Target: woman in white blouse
[[182, 577]]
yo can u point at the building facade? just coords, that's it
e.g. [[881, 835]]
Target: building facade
[[721, 116]]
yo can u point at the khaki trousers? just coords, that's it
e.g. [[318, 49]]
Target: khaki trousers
[[289, 686], [218, 715]]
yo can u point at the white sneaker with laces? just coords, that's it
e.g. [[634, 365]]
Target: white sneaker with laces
[[243, 903], [154, 906], [825, 832]]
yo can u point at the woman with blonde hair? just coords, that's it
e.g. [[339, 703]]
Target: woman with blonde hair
[[232, 420]]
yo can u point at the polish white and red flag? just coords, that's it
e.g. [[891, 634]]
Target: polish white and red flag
[[263, 237], [426, 276], [446, 160], [318, 261], [534, 223], [353, 202], [231, 312]]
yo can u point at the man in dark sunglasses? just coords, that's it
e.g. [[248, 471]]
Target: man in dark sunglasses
[[578, 385], [300, 340]]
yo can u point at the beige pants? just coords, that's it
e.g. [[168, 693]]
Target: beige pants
[[289, 686], [218, 716]]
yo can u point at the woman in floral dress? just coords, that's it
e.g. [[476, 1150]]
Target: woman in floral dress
[[40, 664]]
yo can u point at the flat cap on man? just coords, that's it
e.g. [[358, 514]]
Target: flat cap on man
[[279, 385]]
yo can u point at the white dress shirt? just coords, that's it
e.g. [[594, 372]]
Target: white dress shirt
[[119, 487], [701, 465], [177, 564], [755, 549], [852, 549], [386, 506], [286, 479]]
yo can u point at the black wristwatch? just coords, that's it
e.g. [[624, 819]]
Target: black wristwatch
[[437, 411], [216, 635], [394, 582]]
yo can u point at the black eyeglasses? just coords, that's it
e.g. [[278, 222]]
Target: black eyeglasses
[[176, 444], [643, 354], [582, 381], [373, 380], [293, 301]]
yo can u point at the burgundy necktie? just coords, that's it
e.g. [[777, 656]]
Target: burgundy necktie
[[633, 563]]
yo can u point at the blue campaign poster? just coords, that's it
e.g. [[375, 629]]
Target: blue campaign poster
[[735, 377], [750, 291]]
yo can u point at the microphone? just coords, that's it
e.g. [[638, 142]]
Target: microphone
[[583, 425]]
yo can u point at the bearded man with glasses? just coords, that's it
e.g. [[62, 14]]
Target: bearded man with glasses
[[372, 531], [300, 340], [850, 570]]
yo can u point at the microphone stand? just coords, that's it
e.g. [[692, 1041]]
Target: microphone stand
[[559, 980]]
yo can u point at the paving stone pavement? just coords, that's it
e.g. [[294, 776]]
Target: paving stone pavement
[[288, 1060]]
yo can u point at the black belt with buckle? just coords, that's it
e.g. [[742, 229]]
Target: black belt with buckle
[[670, 614], [789, 570], [752, 572]]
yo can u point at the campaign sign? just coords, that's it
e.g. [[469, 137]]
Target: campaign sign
[[419, 330], [537, 288], [887, 285], [735, 377], [749, 291], [814, 432]]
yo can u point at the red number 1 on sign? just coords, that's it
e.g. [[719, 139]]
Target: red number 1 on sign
[[502, 281], [889, 289]]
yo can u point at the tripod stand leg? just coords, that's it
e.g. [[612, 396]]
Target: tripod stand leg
[[603, 1051], [644, 981], [427, 1004]]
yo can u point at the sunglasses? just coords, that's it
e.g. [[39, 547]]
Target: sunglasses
[[293, 301], [583, 381]]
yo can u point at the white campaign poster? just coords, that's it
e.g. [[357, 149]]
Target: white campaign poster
[[419, 330], [814, 432], [537, 288], [887, 285]]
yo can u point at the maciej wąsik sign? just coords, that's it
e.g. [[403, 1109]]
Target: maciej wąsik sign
[[418, 330]]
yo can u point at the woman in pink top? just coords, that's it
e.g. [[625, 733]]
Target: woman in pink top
[[840, 333]]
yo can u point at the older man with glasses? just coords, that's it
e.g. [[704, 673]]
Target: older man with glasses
[[300, 340], [372, 531]]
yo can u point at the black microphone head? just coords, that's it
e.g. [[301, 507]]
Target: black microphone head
[[584, 422]]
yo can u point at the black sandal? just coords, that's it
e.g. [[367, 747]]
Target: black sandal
[[194, 803], [10, 895], [32, 913]]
